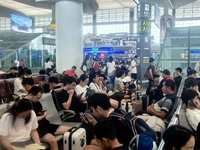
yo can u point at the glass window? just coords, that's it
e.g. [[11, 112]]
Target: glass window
[[87, 29], [117, 28]]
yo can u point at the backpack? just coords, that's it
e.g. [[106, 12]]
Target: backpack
[[136, 125], [142, 142]]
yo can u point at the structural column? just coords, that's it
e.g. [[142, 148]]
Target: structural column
[[144, 39], [69, 42], [131, 25]]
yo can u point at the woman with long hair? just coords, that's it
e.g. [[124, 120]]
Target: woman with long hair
[[18, 126], [178, 138]]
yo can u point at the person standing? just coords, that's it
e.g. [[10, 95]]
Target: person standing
[[134, 67], [197, 67], [22, 63], [178, 77], [16, 63], [111, 69], [48, 64]]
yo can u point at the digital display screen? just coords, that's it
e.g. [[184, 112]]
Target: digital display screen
[[157, 15], [144, 26], [21, 24]]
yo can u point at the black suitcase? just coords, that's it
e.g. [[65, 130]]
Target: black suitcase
[[145, 102]]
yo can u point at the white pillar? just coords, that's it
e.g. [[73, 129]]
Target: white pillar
[[69, 42]]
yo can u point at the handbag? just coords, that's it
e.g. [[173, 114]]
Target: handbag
[[147, 74]]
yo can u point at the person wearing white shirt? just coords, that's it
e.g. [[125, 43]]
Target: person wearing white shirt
[[48, 64], [111, 69], [134, 67], [18, 87], [18, 125], [16, 63], [190, 99], [81, 88]]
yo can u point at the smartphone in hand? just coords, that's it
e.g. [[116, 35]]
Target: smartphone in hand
[[83, 118]]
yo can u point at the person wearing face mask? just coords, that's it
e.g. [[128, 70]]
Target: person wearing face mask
[[18, 87]]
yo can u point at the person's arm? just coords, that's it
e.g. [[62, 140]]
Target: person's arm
[[5, 143], [151, 73], [35, 136], [67, 104], [42, 116], [162, 114]]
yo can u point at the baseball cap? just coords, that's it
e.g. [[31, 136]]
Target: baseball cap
[[126, 79], [166, 71]]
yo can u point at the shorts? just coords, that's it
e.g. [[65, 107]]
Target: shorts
[[134, 75], [47, 129]]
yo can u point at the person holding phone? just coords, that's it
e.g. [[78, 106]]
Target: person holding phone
[[81, 88], [191, 100]]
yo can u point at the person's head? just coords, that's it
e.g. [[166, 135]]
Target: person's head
[[35, 94], [120, 74], [21, 73], [94, 59], [135, 57], [53, 80], [73, 68], [168, 87], [48, 59], [12, 70], [178, 71], [13, 61], [28, 73], [42, 72], [22, 60], [190, 95], [83, 80], [70, 82], [99, 103], [27, 83], [178, 138], [192, 73], [110, 59], [191, 83], [104, 133], [103, 78], [21, 109], [128, 73], [165, 73], [126, 80], [151, 60], [156, 77], [93, 77], [49, 71]]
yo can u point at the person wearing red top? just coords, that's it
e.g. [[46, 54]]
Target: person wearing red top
[[72, 72]]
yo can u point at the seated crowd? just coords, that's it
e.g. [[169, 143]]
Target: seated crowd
[[102, 95]]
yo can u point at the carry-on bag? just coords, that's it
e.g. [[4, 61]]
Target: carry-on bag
[[75, 139]]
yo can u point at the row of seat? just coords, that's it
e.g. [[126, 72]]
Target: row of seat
[[7, 86]]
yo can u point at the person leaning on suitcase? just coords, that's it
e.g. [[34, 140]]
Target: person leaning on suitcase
[[101, 108]]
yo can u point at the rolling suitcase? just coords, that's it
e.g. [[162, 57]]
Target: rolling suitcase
[[75, 139], [137, 104], [126, 105]]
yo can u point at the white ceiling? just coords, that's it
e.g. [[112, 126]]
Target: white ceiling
[[113, 4], [23, 8], [31, 10]]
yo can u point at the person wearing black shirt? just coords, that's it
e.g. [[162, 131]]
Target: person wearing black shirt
[[178, 77], [69, 99], [46, 130], [101, 108], [105, 134]]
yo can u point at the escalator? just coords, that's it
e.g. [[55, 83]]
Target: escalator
[[181, 48]]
